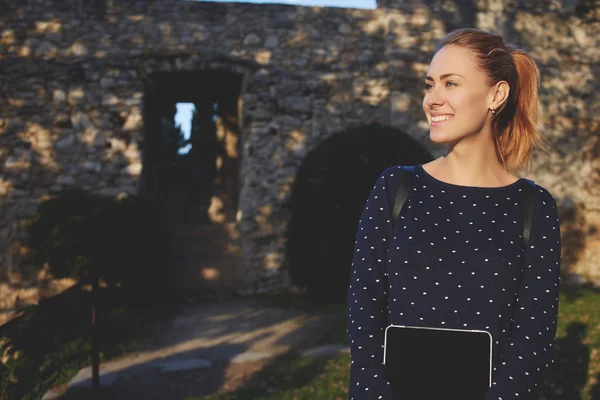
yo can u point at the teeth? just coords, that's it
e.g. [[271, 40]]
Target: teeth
[[441, 118]]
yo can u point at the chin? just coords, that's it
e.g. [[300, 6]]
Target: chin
[[441, 137]]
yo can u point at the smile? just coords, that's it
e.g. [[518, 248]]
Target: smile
[[440, 119]]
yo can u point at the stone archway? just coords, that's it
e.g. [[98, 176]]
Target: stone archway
[[328, 195]]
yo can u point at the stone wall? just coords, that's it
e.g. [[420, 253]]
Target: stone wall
[[73, 76]]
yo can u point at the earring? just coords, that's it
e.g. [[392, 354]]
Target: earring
[[493, 112]]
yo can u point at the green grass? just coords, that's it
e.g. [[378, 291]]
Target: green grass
[[292, 377], [575, 375]]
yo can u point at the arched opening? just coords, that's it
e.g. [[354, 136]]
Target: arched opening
[[330, 190]]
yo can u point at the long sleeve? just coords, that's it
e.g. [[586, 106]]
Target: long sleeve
[[530, 347], [367, 295]]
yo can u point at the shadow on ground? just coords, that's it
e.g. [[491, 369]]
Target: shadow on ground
[[568, 375], [151, 381], [204, 349]]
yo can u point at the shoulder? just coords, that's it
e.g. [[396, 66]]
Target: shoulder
[[388, 182], [542, 196], [544, 204], [392, 176], [390, 171], [394, 173]]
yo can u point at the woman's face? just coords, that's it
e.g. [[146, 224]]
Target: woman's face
[[457, 96]]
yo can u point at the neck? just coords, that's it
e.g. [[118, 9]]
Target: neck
[[473, 162]]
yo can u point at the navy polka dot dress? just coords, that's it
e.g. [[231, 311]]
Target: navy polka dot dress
[[455, 259]]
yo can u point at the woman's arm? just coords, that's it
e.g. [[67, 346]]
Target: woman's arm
[[530, 347], [367, 293]]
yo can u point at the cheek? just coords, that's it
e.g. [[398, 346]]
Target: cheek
[[459, 100], [473, 103]]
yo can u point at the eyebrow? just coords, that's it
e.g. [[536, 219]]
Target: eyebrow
[[442, 77]]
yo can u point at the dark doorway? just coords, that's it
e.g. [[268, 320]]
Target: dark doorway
[[329, 193], [194, 175]]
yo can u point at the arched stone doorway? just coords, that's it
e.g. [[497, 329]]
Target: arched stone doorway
[[329, 193]]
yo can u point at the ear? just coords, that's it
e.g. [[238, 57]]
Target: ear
[[498, 94]]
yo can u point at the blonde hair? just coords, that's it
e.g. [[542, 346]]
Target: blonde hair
[[516, 124]]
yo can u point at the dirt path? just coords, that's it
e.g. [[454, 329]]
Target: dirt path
[[204, 349]]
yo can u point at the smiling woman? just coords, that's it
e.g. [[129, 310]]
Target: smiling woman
[[457, 256]]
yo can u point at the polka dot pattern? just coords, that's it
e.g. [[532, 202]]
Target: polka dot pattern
[[455, 259]]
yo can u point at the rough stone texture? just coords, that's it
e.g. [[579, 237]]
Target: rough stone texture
[[73, 81]]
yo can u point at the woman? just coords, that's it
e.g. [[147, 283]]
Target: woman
[[455, 257]]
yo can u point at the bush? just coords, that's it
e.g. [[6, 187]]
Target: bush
[[330, 190], [60, 232], [123, 240], [45, 343], [81, 235]]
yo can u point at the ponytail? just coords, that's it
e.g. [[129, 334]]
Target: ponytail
[[519, 129]]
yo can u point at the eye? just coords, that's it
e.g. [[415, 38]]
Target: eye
[[428, 86], [450, 83]]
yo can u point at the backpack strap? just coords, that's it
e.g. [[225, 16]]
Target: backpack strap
[[406, 183], [527, 210]]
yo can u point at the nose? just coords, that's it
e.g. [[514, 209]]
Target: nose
[[433, 98]]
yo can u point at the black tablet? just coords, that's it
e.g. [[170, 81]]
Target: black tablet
[[428, 363]]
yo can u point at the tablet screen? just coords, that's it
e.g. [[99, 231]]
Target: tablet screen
[[437, 363]]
